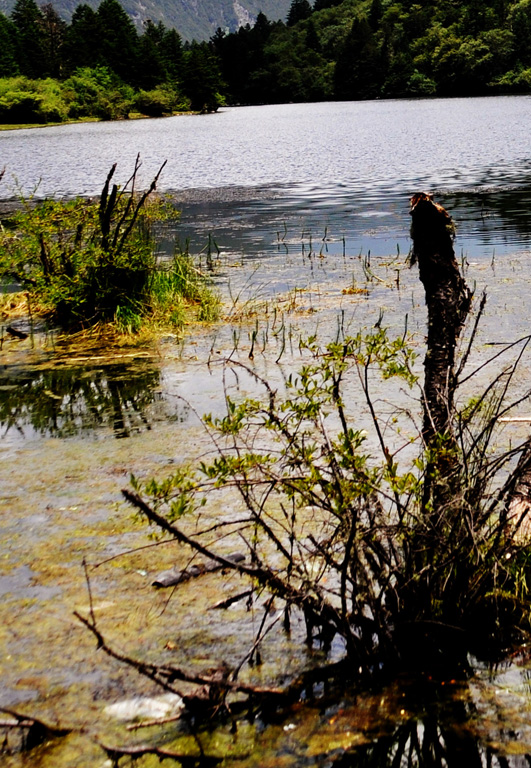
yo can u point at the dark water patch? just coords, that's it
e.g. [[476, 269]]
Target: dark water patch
[[66, 401], [20, 583]]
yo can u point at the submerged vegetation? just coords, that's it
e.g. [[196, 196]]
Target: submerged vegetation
[[83, 263], [397, 535], [379, 517]]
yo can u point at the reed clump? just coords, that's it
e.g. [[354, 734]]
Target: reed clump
[[83, 262]]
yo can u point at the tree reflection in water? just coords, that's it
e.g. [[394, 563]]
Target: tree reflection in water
[[65, 401], [432, 741]]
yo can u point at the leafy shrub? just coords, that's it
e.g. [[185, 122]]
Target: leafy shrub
[[160, 101], [97, 93], [342, 532], [518, 81], [31, 101]]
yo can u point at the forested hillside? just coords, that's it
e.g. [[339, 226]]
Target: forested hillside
[[364, 49], [99, 65]]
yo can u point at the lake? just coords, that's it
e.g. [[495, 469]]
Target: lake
[[351, 166], [302, 202]]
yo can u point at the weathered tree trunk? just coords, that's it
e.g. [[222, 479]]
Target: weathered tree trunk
[[448, 302]]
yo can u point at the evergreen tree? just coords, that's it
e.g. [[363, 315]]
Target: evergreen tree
[[152, 70], [119, 40], [8, 60], [358, 74], [299, 11], [27, 21], [81, 47], [312, 39], [53, 35], [171, 50], [201, 78]]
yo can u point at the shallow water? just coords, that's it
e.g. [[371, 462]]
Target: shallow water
[[307, 205]]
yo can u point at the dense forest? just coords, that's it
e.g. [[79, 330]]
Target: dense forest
[[365, 49], [99, 65]]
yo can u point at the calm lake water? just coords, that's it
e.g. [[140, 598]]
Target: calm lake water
[[269, 184], [247, 173]]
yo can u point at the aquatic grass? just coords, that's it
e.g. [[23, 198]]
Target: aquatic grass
[[180, 290], [84, 263]]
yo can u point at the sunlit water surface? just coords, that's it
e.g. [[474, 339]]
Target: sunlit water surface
[[307, 211]]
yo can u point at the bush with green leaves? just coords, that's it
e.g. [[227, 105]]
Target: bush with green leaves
[[161, 101], [330, 505], [97, 92], [31, 101], [85, 262]]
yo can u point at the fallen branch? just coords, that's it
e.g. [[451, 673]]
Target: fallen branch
[[187, 761], [166, 674], [174, 576], [35, 731]]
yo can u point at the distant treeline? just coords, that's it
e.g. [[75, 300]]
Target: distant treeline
[[366, 49], [99, 65]]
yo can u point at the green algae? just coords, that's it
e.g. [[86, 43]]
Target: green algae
[[60, 503]]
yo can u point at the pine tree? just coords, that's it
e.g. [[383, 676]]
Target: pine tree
[[8, 61], [53, 35], [172, 53], [81, 47], [119, 40], [152, 70], [299, 11], [201, 78], [27, 21], [357, 73]]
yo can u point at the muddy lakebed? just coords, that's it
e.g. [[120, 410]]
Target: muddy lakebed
[[290, 260]]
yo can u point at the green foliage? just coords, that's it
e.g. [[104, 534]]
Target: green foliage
[[201, 78], [97, 93], [160, 101], [8, 58], [343, 531], [85, 262], [103, 64], [335, 50], [27, 19], [299, 11], [377, 49], [31, 101]]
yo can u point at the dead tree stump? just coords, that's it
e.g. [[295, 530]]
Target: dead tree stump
[[448, 301]]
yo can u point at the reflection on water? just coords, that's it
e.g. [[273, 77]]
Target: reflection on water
[[412, 723], [66, 401], [428, 743]]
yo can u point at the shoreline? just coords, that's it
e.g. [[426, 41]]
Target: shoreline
[[132, 116]]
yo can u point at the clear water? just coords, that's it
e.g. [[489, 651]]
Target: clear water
[[299, 191]]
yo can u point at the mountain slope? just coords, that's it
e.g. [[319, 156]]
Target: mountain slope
[[197, 19]]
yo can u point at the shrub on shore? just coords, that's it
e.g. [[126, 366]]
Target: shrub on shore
[[88, 93]]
